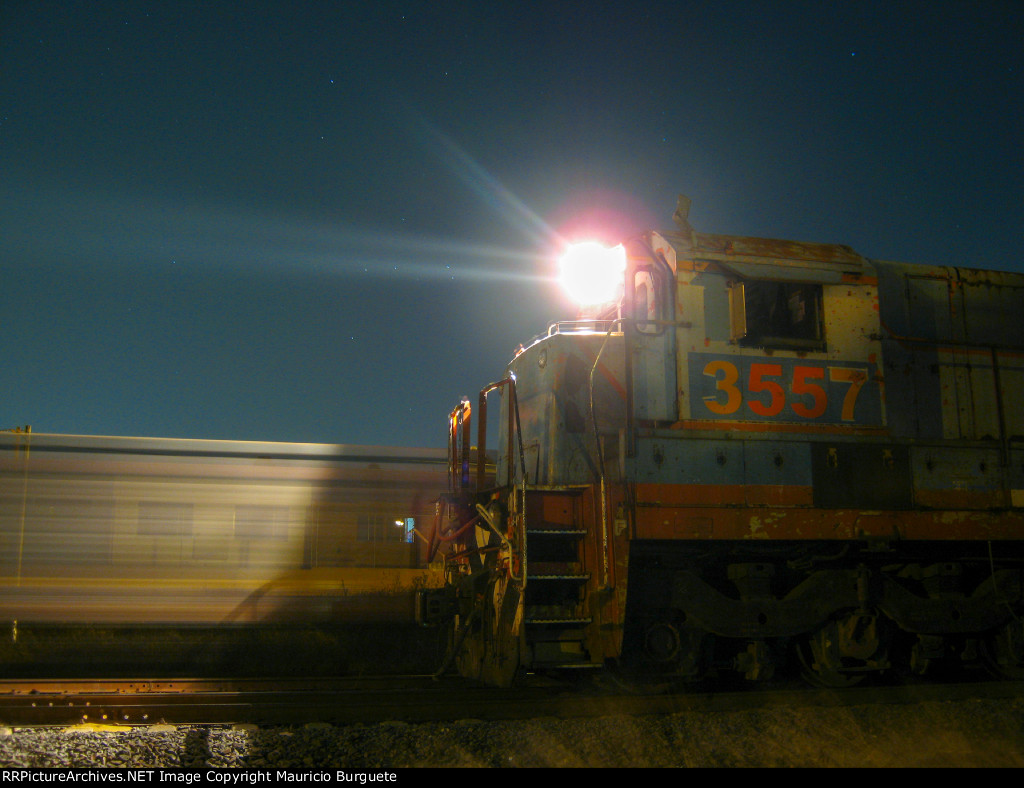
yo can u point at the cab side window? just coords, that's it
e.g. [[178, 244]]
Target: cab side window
[[778, 315]]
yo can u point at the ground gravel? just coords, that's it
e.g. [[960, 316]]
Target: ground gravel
[[952, 734]]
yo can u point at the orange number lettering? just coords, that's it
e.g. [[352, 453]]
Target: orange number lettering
[[758, 383], [802, 386], [726, 383], [856, 378]]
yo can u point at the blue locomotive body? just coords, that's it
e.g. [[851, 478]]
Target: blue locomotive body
[[765, 451]]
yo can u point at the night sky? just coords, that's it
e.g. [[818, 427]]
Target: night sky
[[325, 222]]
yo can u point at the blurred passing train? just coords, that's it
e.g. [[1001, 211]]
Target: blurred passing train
[[752, 453], [111, 532]]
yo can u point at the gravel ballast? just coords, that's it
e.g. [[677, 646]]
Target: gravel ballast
[[961, 733]]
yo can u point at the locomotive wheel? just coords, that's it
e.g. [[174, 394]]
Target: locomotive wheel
[[821, 674], [1003, 651], [838, 654]]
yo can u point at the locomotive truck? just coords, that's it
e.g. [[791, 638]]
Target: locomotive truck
[[753, 454]]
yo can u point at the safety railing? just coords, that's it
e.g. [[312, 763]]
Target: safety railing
[[460, 478]]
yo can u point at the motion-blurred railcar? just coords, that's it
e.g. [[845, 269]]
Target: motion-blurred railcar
[[125, 531], [758, 453]]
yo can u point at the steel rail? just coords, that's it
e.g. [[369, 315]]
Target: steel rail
[[411, 699]]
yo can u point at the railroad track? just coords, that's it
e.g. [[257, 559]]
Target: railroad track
[[289, 701]]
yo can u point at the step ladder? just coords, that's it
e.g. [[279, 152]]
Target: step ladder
[[556, 614]]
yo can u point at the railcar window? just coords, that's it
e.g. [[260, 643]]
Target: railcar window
[[376, 528], [160, 518], [778, 314], [74, 529], [253, 521]]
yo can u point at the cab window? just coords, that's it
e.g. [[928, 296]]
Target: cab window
[[777, 315]]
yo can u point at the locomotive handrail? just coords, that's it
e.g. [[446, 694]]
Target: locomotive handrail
[[458, 447], [578, 327], [581, 326], [514, 432], [459, 477]]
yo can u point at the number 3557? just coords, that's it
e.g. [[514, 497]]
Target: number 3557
[[766, 393]]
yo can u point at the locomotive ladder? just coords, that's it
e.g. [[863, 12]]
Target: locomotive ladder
[[555, 614]]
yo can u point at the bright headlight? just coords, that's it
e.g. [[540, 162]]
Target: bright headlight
[[593, 274]]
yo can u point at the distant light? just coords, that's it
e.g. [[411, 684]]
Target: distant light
[[593, 274]]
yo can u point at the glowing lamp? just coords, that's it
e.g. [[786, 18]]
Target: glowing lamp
[[592, 274]]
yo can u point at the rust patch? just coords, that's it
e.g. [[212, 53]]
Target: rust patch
[[697, 522]]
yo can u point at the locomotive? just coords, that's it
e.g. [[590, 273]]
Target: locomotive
[[752, 455]]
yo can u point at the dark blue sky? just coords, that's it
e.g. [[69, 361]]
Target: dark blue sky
[[326, 222]]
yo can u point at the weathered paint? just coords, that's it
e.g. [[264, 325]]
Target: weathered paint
[[906, 364], [697, 522], [889, 416]]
